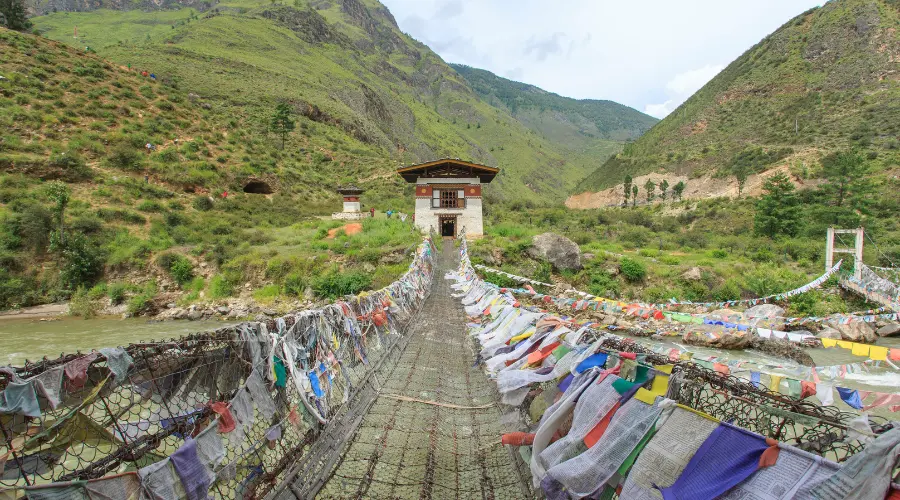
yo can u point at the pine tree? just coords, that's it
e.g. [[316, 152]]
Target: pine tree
[[741, 172], [663, 187], [14, 14], [650, 187], [627, 186], [678, 190], [846, 174], [282, 123], [778, 210], [634, 192]]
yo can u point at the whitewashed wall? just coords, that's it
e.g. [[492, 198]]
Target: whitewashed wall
[[469, 217]]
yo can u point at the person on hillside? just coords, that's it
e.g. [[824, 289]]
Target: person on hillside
[[372, 210], [389, 214]]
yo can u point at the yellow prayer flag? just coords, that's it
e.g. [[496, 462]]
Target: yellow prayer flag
[[522, 336], [660, 384], [860, 350], [829, 342], [664, 368], [878, 353], [645, 396], [845, 344], [775, 383]]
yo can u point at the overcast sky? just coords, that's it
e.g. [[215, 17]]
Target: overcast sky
[[648, 54]]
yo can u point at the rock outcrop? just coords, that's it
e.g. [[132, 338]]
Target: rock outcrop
[[891, 330], [723, 338], [560, 251], [856, 331]]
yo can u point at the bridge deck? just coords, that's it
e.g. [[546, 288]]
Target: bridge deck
[[411, 449]]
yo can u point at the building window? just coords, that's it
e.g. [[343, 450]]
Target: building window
[[448, 198]]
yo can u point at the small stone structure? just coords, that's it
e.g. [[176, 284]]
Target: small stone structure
[[448, 195], [352, 206]]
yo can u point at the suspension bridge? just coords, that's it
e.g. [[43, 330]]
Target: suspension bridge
[[439, 386]]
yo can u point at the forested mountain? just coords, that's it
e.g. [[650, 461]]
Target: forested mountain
[[825, 81], [575, 124], [370, 97]]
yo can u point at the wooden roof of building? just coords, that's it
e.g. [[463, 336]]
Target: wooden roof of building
[[448, 168]]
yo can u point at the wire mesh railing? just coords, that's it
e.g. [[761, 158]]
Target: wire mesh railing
[[256, 395]]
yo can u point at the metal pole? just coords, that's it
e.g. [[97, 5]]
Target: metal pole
[[858, 254], [829, 249]]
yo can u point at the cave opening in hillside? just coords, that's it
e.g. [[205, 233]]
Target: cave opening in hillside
[[257, 187]]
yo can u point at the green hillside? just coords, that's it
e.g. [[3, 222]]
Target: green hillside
[[86, 210], [826, 80], [577, 125], [370, 97]]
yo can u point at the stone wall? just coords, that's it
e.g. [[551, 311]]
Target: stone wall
[[350, 215]]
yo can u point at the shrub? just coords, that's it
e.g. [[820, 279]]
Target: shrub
[[500, 280], [266, 293], [295, 284], [71, 164], [82, 262], [125, 157], [143, 300], [220, 287], [336, 284], [202, 203], [116, 292], [182, 271], [632, 270], [178, 266], [603, 285], [149, 206], [718, 253], [83, 304]]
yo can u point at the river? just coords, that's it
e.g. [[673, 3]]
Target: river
[[34, 339]]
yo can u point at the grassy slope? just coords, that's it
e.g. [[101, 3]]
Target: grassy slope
[[68, 115], [715, 236], [384, 98], [825, 80]]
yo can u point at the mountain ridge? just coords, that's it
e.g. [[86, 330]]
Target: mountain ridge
[[826, 80], [354, 71]]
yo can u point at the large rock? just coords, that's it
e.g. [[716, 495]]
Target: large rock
[[888, 330], [721, 339], [769, 311], [692, 274], [766, 316], [856, 331], [829, 333], [560, 251], [727, 315]]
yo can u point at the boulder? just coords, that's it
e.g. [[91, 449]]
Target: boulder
[[692, 274], [721, 339], [829, 333], [560, 251], [588, 256], [223, 309], [856, 331], [890, 330], [769, 311], [766, 316], [729, 315]]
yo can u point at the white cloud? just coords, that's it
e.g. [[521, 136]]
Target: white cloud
[[682, 86], [648, 54]]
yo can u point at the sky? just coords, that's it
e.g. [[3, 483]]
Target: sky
[[647, 54]]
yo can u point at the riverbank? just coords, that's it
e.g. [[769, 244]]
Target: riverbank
[[44, 312]]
